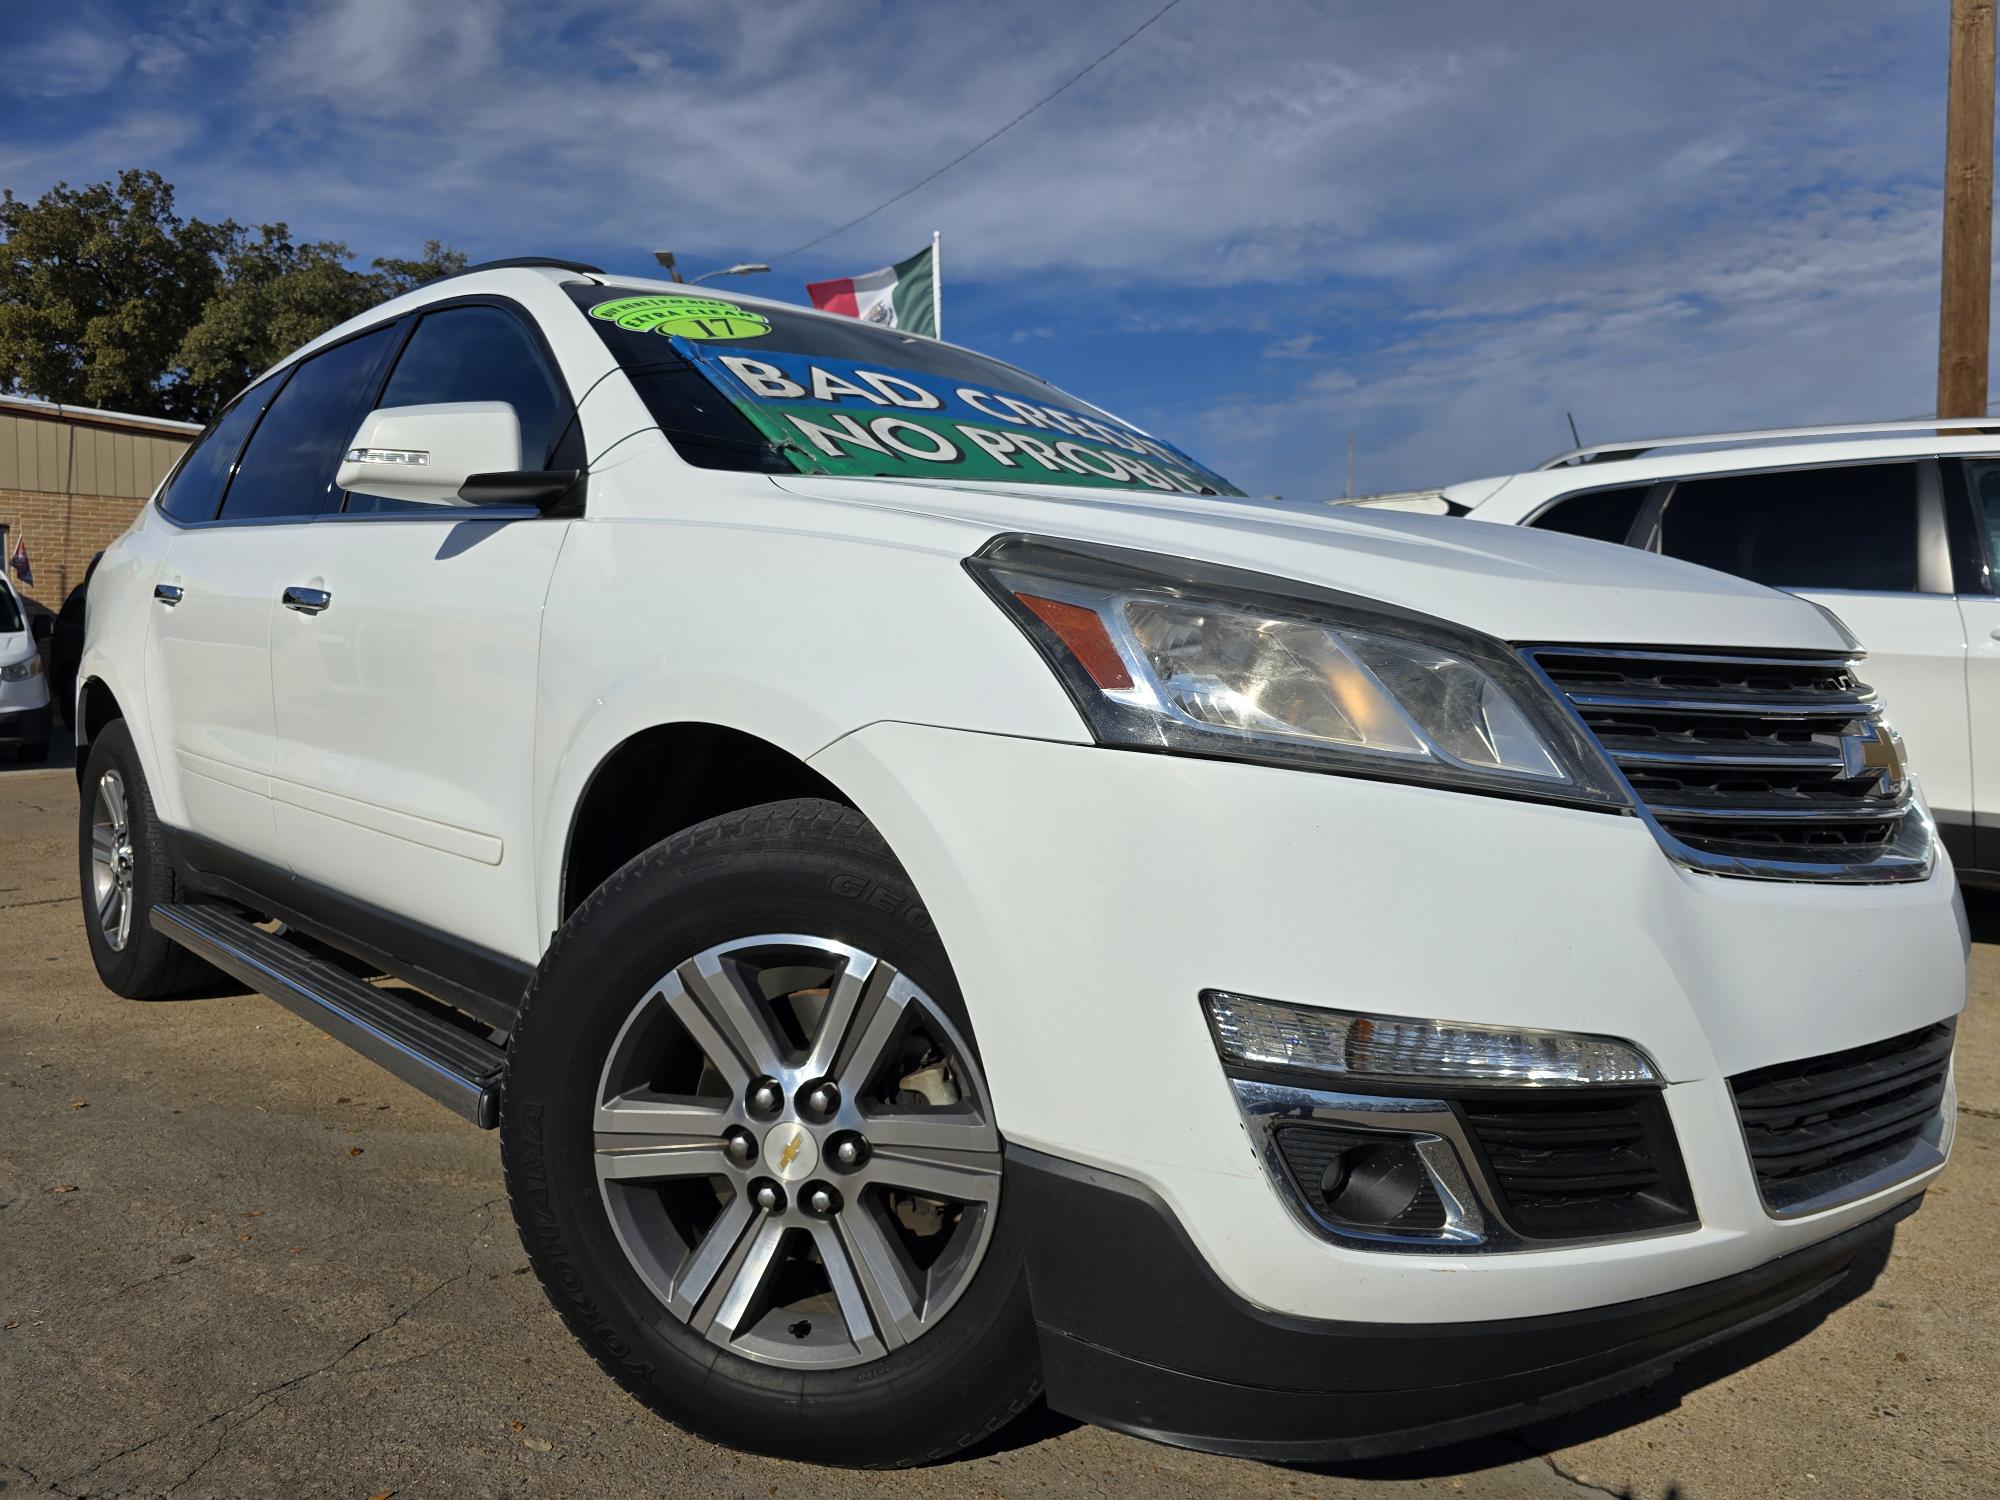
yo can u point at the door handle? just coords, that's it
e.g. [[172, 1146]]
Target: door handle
[[168, 594], [306, 601]]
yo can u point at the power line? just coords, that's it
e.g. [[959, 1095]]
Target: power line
[[979, 145]]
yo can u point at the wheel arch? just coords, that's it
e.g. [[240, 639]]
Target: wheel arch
[[97, 706], [667, 777]]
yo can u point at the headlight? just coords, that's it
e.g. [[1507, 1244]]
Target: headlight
[[1295, 1038], [1163, 654], [18, 671]]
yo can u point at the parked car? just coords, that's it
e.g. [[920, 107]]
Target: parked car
[[1893, 526], [66, 647], [24, 689], [945, 899]]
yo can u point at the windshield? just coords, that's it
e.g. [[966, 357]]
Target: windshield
[[755, 386], [10, 612]]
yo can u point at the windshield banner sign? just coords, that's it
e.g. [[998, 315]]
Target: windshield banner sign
[[837, 416]]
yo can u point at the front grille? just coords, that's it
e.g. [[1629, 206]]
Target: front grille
[[1567, 1166], [1825, 1124], [1743, 759]]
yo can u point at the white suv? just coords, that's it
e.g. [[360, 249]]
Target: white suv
[[1895, 526], [945, 900]]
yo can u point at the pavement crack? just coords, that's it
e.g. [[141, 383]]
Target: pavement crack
[[1978, 1113], [1549, 1459], [263, 1399]]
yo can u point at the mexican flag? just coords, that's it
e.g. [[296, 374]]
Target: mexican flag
[[903, 296]]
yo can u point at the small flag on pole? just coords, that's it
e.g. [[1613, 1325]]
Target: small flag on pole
[[19, 562], [904, 296]]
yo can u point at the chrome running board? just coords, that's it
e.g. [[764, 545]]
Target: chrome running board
[[445, 1060]]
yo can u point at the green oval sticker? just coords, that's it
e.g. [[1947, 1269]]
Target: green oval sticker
[[688, 316]]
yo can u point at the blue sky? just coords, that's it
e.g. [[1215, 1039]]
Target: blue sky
[[1263, 227]]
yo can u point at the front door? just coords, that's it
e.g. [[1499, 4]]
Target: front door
[[406, 686], [1978, 548]]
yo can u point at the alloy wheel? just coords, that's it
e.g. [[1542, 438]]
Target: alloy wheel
[[797, 1152], [111, 860]]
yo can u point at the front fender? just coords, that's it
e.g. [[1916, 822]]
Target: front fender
[[796, 637]]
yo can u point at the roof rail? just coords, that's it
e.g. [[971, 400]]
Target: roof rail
[[1601, 452], [548, 262]]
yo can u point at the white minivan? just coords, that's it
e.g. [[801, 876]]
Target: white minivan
[[948, 902]]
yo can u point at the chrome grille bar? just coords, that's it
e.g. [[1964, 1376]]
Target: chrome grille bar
[[1749, 763]]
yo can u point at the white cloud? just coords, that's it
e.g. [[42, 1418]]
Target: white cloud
[[1445, 224], [83, 59]]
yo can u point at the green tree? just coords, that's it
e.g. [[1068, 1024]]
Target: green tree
[[108, 298], [394, 277], [277, 294], [98, 286]]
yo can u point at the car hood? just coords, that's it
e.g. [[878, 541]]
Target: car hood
[[15, 645], [1512, 582]]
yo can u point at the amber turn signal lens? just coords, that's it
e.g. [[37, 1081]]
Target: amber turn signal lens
[[1082, 630]]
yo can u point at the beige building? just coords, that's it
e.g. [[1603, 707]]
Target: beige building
[[71, 479]]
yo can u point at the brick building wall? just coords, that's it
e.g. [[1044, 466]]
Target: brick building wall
[[63, 532], [71, 480]]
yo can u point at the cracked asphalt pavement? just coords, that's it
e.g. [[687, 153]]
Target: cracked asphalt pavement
[[236, 1260]]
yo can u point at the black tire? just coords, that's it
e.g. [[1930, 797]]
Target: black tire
[[806, 867], [148, 967]]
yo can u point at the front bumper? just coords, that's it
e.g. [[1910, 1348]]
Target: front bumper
[[1087, 897], [25, 726], [1137, 1334]]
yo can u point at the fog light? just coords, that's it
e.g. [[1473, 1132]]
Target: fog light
[[1362, 1181], [1270, 1034]]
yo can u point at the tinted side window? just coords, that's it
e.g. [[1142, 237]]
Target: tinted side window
[[192, 494], [1982, 482], [1606, 515], [475, 354], [1808, 529], [288, 468]]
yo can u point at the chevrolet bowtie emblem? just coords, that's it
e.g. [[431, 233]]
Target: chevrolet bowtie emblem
[[1872, 749], [791, 1151]]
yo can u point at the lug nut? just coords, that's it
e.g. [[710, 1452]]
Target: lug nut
[[822, 1200], [766, 1096], [741, 1146], [849, 1151], [822, 1099], [768, 1196]]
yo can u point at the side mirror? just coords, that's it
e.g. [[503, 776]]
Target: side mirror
[[42, 627], [427, 453]]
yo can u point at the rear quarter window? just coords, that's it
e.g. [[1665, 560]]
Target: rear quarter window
[[1604, 515]]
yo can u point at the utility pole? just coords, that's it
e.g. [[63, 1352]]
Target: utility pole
[[1966, 282]]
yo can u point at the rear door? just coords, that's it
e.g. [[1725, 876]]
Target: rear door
[[1866, 541], [207, 656], [406, 705], [245, 506]]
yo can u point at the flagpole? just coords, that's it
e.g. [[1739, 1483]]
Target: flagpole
[[937, 285]]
